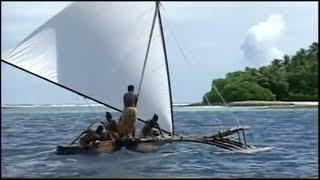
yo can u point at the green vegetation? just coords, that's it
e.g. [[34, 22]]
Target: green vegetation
[[289, 79]]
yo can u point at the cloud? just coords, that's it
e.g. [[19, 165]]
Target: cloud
[[259, 46]]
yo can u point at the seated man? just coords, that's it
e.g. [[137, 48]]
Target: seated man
[[147, 128], [91, 136], [111, 127], [102, 135]]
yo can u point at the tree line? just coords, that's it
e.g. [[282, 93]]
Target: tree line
[[292, 78]]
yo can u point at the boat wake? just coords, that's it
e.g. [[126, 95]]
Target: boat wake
[[253, 150]]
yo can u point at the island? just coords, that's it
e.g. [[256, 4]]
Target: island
[[290, 81]]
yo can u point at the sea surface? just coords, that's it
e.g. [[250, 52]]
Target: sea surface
[[30, 134]]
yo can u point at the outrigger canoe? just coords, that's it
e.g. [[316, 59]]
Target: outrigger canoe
[[221, 139], [95, 49]]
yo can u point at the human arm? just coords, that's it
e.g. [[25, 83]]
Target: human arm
[[158, 127], [136, 100], [86, 131], [160, 131]]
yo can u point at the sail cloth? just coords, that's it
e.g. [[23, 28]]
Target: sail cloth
[[98, 49]]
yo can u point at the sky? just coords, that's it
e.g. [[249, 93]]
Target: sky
[[216, 38]]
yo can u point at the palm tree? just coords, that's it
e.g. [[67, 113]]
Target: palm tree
[[286, 60]]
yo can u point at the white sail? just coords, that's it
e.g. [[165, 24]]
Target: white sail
[[98, 49]]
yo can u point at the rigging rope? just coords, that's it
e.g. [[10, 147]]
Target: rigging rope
[[190, 67], [89, 105], [77, 107], [225, 103], [219, 122]]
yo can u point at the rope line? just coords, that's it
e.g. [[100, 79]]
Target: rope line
[[237, 121], [77, 107], [89, 105], [189, 66]]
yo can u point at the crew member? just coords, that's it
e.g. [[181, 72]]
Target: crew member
[[111, 127], [127, 124], [147, 129], [91, 136]]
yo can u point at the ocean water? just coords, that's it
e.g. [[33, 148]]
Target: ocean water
[[29, 136]]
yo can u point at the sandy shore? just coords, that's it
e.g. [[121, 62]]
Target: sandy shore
[[274, 103]]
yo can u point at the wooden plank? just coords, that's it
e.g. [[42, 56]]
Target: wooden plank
[[234, 142]]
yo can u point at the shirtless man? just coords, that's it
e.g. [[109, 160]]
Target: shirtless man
[[91, 136], [147, 128], [126, 126], [111, 127]]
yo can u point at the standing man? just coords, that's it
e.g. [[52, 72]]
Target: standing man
[[130, 113]]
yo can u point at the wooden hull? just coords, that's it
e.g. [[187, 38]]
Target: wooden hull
[[69, 150], [220, 139], [147, 145]]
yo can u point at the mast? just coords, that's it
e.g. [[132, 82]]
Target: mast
[[148, 48], [157, 14], [167, 64]]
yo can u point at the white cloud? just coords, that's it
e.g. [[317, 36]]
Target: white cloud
[[259, 46]]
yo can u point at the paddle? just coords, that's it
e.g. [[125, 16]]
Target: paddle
[[81, 134]]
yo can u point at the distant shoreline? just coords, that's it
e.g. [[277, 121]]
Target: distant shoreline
[[261, 104]]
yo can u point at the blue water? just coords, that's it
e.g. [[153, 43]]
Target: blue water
[[30, 135]]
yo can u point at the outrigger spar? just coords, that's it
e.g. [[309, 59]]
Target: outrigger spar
[[95, 49]]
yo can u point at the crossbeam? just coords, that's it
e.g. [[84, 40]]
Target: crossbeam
[[221, 139]]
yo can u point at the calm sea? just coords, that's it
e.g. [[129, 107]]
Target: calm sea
[[29, 136]]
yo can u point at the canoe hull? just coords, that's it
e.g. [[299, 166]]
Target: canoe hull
[[109, 146], [149, 144]]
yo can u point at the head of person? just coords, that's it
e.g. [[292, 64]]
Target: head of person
[[131, 88], [99, 129], [153, 122], [108, 116], [155, 117]]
